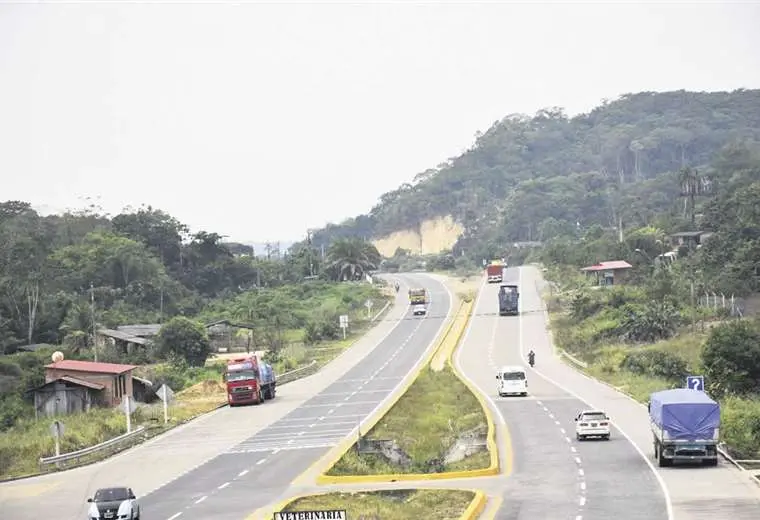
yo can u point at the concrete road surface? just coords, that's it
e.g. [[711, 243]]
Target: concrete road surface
[[611, 479], [554, 475], [228, 463]]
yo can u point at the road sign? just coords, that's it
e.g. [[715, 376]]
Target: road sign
[[344, 320], [165, 393], [335, 514], [696, 383], [57, 429], [368, 304]]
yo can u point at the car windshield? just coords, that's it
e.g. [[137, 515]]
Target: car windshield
[[513, 376], [111, 495], [594, 416], [241, 375]]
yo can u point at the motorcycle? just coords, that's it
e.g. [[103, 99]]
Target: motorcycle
[[531, 361]]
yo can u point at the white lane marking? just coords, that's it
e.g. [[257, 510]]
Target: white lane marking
[[567, 439], [244, 472], [577, 460], [201, 499], [224, 485], [572, 448], [583, 486], [563, 431], [312, 425], [582, 501], [276, 451], [175, 516], [579, 517], [658, 476], [580, 472], [262, 461]]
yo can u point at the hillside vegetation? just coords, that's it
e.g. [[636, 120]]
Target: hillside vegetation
[[530, 178]]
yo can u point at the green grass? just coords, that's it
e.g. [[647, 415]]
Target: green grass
[[441, 504], [425, 422]]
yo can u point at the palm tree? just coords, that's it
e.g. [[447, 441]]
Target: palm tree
[[351, 258]]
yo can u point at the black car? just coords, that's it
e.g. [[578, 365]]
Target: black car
[[114, 503]]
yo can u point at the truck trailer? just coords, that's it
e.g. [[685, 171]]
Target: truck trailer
[[249, 381], [495, 273], [685, 426], [509, 300], [417, 296]]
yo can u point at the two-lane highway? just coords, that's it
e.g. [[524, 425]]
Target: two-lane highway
[[210, 468], [554, 475]]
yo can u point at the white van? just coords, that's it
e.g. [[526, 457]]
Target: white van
[[512, 380]]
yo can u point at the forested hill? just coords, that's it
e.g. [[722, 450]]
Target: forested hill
[[526, 176]]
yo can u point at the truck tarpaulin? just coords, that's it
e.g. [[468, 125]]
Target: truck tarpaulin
[[685, 414]]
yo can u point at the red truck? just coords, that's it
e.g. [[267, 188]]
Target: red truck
[[249, 380], [495, 271]]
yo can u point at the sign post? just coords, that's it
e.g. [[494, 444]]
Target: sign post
[[129, 408], [165, 394], [369, 303], [696, 383], [344, 324], [57, 429]]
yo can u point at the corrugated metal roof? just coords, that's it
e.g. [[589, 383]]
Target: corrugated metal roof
[[140, 329], [123, 336], [73, 381], [604, 266], [91, 366]]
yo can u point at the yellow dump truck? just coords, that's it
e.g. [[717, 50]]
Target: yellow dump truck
[[417, 296]]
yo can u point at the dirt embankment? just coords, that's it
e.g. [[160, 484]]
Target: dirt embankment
[[434, 236]]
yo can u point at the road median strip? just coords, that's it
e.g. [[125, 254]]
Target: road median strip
[[460, 407]]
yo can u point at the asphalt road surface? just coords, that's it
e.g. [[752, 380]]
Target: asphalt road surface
[[227, 464], [619, 476], [554, 475]]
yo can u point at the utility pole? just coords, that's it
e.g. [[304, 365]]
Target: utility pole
[[310, 252], [92, 318]]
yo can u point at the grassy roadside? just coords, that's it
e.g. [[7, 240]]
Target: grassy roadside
[[441, 504], [201, 392], [640, 368], [437, 426]]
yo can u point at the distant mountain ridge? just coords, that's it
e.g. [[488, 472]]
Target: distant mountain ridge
[[527, 175]]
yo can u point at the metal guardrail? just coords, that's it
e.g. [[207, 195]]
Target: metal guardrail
[[574, 359], [298, 373], [75, 455]]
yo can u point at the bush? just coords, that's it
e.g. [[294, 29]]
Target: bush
[[731, 358], [655, 363]]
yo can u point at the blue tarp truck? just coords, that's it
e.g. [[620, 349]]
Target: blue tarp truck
[[685, 426]]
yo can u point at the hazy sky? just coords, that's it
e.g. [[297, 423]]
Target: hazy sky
[[260, 120]]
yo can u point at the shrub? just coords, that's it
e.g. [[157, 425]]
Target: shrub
[[655, 363]]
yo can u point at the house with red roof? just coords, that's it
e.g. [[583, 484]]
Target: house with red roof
[[613, 272], [76, 386]]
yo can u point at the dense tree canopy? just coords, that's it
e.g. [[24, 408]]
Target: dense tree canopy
[[531, 178], [137, 267]]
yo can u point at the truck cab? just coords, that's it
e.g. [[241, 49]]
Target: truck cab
[[512, 380], [417, 296], [249, 381]]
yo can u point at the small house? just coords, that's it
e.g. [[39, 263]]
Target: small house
[[608, 273], [115, 379], [689, 239], [66, 395]]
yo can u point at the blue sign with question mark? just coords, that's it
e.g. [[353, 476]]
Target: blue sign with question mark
[[696, 383]]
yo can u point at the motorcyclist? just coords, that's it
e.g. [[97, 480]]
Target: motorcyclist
[[531, 357], [396, 285]]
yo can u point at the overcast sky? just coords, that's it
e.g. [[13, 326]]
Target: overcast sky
[[259, 121]]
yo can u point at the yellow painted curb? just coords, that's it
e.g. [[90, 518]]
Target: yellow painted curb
[[334, 455], [492, 469], [476, 507], [346, 444], [473, 511], [458, 325]]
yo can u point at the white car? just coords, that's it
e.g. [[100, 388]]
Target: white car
[[512, 380], [592, 423], [115, 503], [419, 310]]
